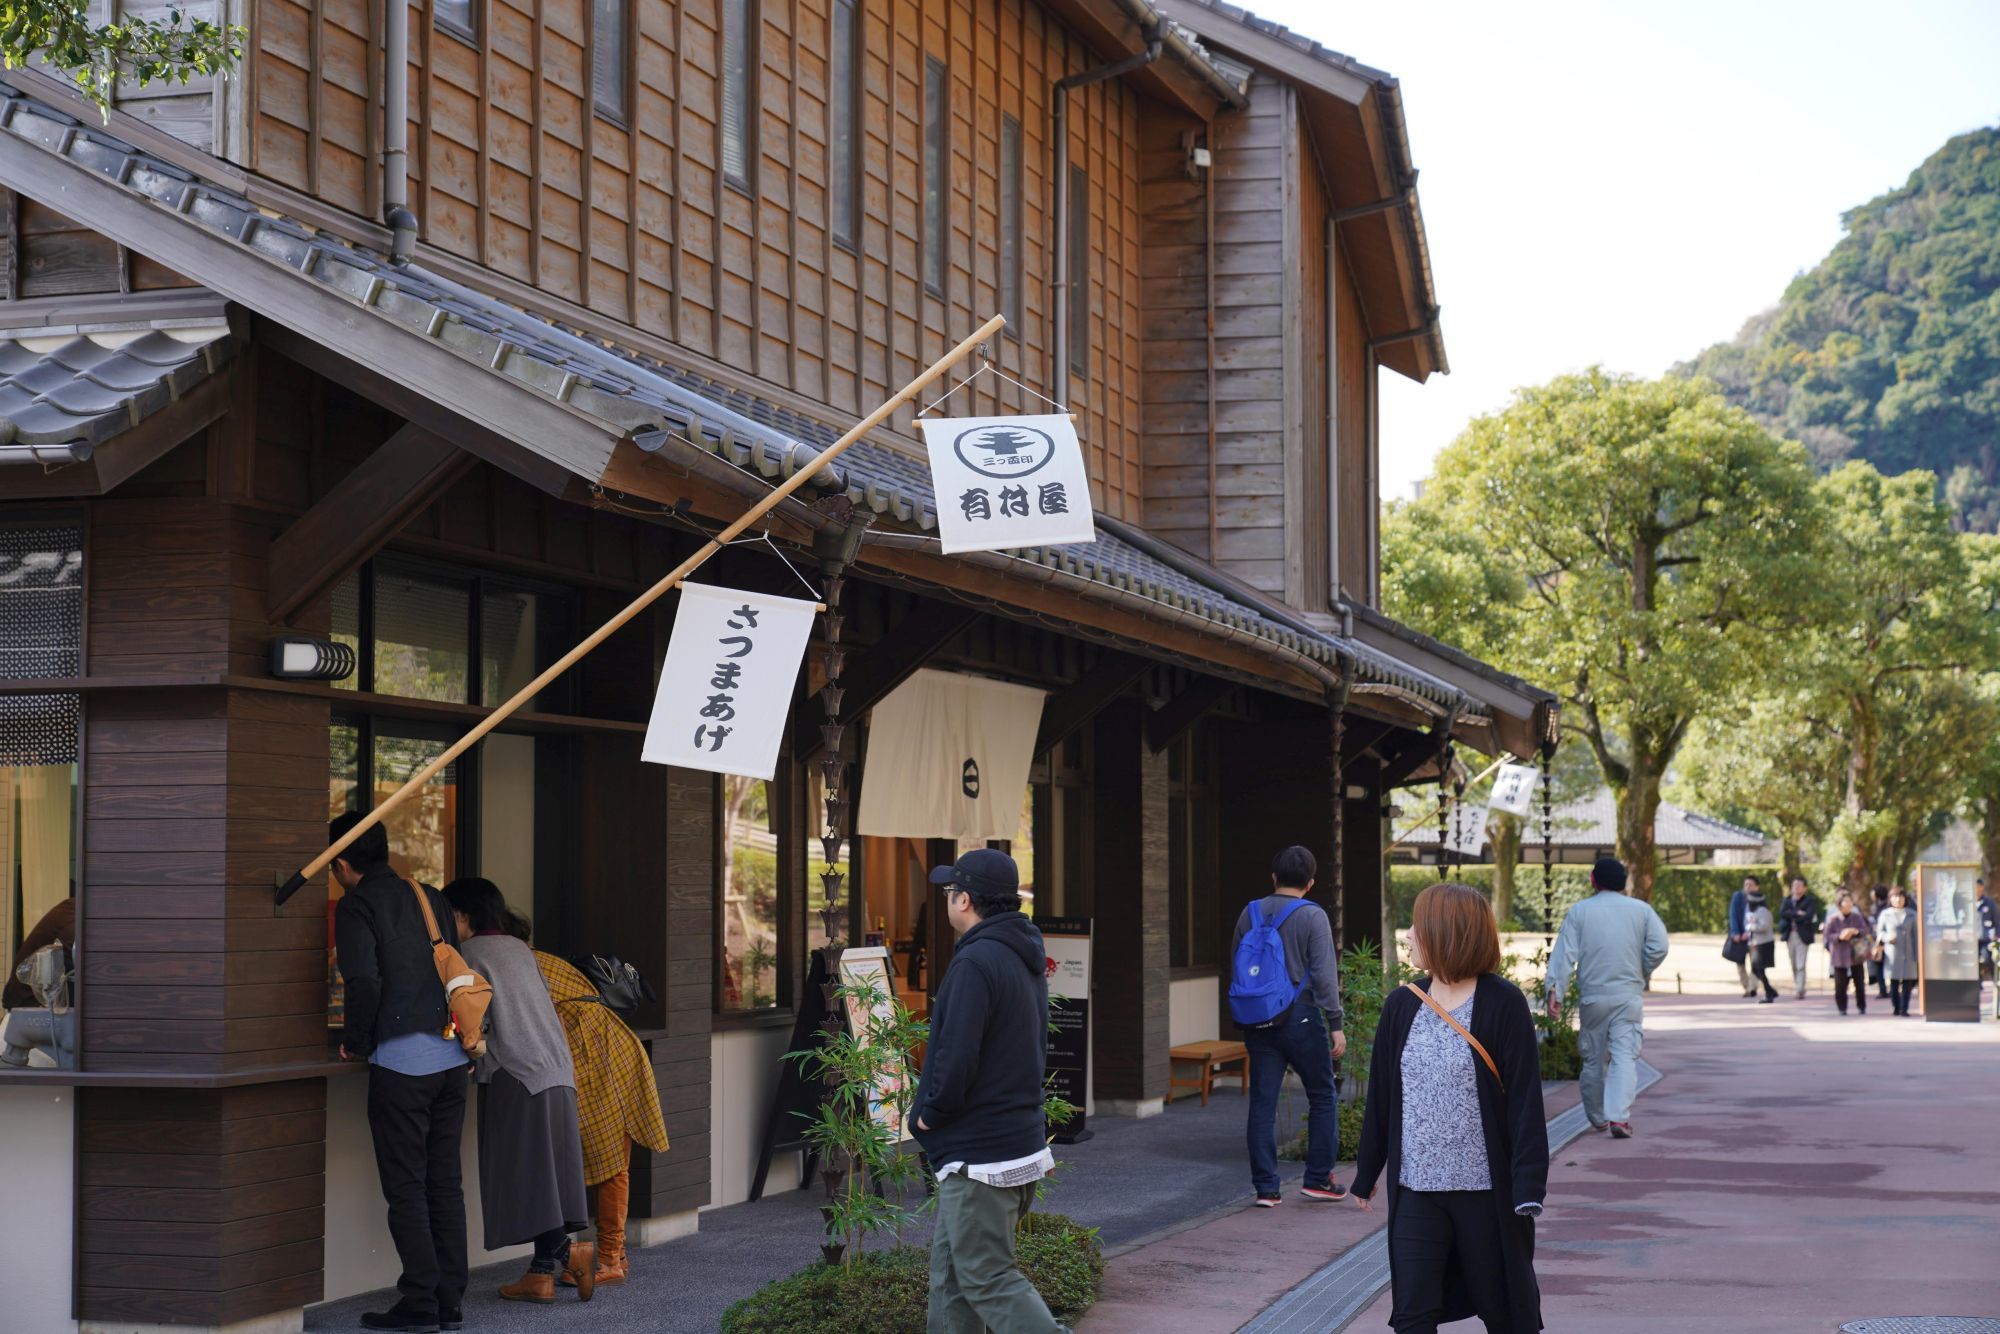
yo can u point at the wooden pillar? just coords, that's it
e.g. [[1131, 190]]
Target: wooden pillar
[[1362, 886], [1129, 869]]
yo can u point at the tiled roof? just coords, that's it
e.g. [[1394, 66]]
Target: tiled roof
[[651, 402], [1592, 822], [61, 396]]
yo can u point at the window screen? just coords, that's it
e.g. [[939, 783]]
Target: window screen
[[607, 58], [738, 50], [937, 178], [844, 121]]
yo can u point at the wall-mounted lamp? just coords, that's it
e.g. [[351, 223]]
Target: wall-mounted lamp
[[296, 658]]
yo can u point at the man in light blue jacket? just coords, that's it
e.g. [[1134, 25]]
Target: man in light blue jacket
[[1611, 944]]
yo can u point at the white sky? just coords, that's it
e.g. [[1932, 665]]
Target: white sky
[[1626, 184]]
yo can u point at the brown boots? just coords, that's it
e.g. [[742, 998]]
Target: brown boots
[[580, 1273], [614, 1197]]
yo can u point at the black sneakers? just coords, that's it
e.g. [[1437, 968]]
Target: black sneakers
[[400, 1317], [1323, 1190], [1270, 1201]]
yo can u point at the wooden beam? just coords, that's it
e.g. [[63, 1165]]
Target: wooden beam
[[1399, 762], [867, 681], [1086, 697], [351, 522], [1363, 733], [1171, 721]]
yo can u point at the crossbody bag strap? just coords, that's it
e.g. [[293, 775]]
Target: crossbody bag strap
[[1445, 1015], [424, 902]]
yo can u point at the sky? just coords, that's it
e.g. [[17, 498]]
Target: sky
[[1623, 184]]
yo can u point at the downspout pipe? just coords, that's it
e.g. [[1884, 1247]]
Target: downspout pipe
[[1060, 306], [396, 132]]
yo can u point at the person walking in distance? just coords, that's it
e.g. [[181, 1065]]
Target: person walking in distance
[[1763, 942], [1799, 917], [1285, 977], [1877, 973], [397, 1020], [978, 1109], [1739, 935], [1611, 944], [1848, 940], [1896, 928], [1455, 1117], [1988, 913]]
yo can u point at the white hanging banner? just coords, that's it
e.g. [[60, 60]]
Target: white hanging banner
[[1466, 832], [726, 687], [1514, 789], [1006, 482], [948, 757]]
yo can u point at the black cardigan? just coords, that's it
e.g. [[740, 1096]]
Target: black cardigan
[[1517, 1136]]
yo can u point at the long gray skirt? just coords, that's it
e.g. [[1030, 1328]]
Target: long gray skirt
[[530, 1162]]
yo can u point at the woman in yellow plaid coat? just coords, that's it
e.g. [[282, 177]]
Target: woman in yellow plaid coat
[[617, 1101]]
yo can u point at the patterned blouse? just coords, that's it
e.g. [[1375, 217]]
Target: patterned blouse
[[1444, 1145]]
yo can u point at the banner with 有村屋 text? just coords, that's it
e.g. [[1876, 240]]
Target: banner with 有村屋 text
[[1006, 482], [726, 687]]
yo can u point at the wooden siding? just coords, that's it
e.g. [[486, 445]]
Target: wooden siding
[[511, 169], [1308, 560], [1175, 267], [45, 253]]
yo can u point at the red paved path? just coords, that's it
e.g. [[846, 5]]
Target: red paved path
[[1793, 1170]]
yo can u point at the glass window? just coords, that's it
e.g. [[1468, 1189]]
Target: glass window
[[818, 867], [458, 17], [520, 633], [738, 91], [1192, 865], [346, 628], [607, 58], [747, 919], [1061, 829], [937, 174], [507, 816], [424, 830], [844, 121], [1010, 223], [41, 636], [1079, 270], [423, 636]]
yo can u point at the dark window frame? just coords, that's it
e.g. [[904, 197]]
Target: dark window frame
[[936, 220], [619, 112], [751, 21], [1194, 804], [1013, 233], [846, 64]]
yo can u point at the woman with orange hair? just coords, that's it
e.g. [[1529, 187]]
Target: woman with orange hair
[[1454, 1115]]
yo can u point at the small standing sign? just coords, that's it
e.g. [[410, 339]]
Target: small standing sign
[[726, 687], [1006, 482]]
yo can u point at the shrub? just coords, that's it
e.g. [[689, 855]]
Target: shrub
[[1688, 898], [887, 1292]]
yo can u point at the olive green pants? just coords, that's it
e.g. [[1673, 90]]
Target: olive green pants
[[975, 1284]]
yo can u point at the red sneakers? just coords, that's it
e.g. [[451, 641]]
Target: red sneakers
[[1323, 1190]]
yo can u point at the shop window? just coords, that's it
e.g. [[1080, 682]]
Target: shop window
[[41, 637], [1192, 864], [417, 629], [607, 58], [747, 916], [843, 115], [422, 636], [739, 92], [1061, 829], [937, 172]]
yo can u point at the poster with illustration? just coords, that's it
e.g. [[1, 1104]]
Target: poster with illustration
[[869, 967]]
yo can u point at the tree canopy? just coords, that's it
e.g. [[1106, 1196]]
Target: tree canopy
[[1889, 349], [142, 48]]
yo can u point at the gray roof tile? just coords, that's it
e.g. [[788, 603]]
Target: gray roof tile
[[90, 388]]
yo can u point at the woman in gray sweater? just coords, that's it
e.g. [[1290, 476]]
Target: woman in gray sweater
[[530, 1153]]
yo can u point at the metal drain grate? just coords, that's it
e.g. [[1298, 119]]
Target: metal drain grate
[[1922, 1324]]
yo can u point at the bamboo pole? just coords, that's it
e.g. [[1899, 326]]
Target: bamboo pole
[[1481, 777], [645, 600]]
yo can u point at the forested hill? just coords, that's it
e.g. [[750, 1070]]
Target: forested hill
[[1889, 350]]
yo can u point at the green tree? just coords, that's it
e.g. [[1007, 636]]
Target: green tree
[[1769, 762], [1647, 531], [96, 56]]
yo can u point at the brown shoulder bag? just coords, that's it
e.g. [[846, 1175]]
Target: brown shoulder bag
[[466, 994], [1445, 1015]]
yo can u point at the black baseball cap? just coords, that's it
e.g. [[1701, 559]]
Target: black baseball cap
[[984, 871]]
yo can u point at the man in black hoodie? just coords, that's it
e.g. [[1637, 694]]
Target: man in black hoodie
[[978, 1110]]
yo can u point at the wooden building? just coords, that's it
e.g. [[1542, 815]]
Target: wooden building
[[662, 253]]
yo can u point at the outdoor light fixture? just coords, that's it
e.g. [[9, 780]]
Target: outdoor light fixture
[[296, 658]]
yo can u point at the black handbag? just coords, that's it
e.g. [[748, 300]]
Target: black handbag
[[1734, 950], [619, 985]]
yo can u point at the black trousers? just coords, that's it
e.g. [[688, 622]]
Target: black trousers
[[1761, 958], [417, 1122], [1858, 974], [1900, 990], [1437, 1232]]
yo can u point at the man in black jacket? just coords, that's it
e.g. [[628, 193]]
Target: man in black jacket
[[1799, 918], [397, 1020], [978, 1109]]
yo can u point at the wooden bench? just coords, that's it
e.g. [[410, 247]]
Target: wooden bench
[[1212, 1058]]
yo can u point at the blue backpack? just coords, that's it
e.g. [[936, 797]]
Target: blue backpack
[[1262, 990]]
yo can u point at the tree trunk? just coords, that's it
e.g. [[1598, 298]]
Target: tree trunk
[[1638, 805], [1506, 833], [1989, 833], [1863, 863], [1794, 864]]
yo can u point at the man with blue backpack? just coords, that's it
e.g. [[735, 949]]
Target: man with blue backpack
[[1285, 975]]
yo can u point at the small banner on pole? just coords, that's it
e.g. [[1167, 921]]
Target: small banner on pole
[[726, 688], [1514, 789], [1006, 482]]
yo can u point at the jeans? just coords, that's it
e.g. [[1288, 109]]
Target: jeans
[[1761, 958], [1609, 1039], [1858, 974], [1298, 1041], [1801, 952], [1435, 1233], [417, 1122], [975, 1284], [1900, 990]]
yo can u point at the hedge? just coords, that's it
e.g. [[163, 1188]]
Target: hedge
[[1688, 898], [888, 1291]]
